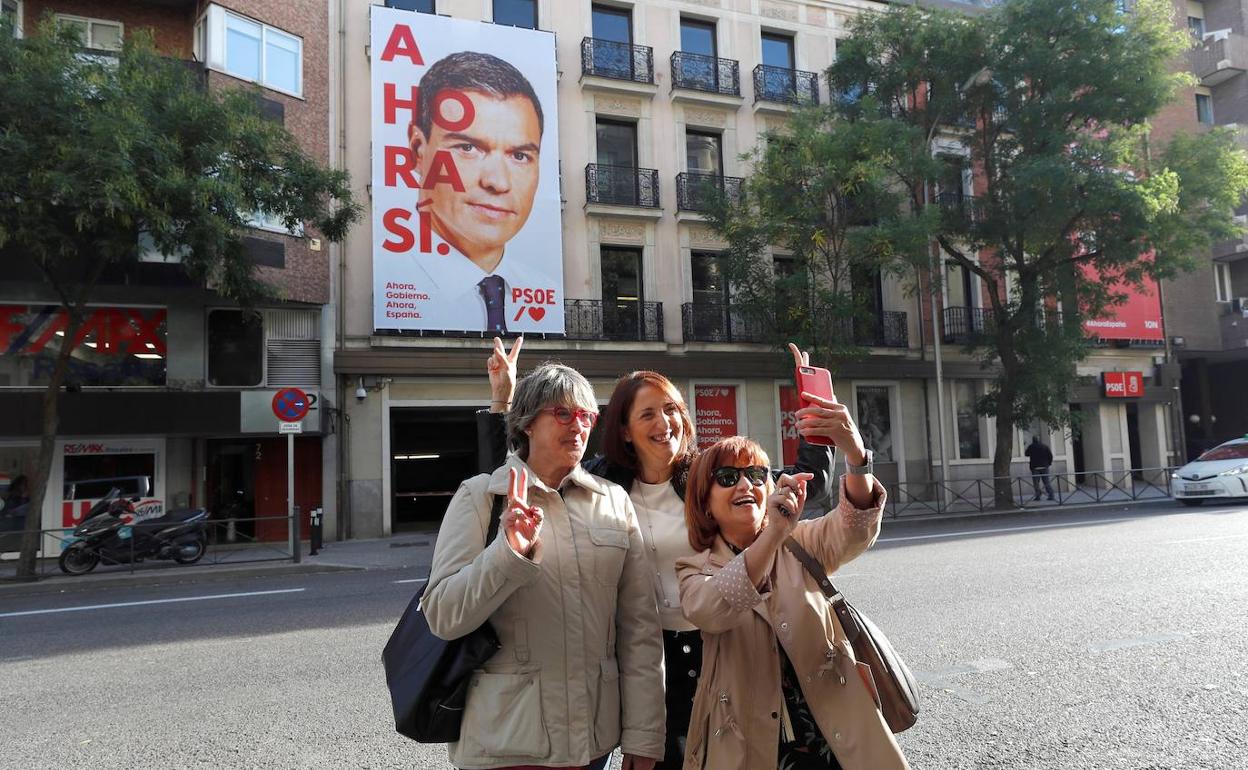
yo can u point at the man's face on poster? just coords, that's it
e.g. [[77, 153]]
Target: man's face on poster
[[496, 158]]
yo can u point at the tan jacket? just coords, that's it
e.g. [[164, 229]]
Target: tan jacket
[[581, 665], [736, 711]]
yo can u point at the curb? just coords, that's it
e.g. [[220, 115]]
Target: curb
[[1123, 505], [160, 577]]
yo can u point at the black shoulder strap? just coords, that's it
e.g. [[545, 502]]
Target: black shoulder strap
[[835, 597], [496, 509]]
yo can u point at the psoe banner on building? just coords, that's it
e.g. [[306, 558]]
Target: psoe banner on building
[[465, 176], [1138, 318]]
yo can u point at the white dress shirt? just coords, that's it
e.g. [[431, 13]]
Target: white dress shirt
[[661, 517]]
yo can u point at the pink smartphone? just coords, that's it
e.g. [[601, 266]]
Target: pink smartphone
[[818, 382]]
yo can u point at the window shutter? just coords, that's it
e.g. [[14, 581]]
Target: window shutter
[[293, 348]]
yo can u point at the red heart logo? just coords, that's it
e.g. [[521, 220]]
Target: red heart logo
[[537, 313]]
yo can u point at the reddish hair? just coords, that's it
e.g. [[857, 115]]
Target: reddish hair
[[734, 450], [621, 452]]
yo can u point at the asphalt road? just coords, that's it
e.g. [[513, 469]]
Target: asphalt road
[[1094, 640]]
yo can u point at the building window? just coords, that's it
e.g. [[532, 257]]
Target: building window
[[1222, 281], [710, 285], [11, 11], [875, 417], [235, 348], [966, 421], [697, 37], [516, 13], [95, 34], [1196, 26], [704, 153], [613, 24], [778, 51], [621, 291], [1204, 109], [250, 50], [419, 6]]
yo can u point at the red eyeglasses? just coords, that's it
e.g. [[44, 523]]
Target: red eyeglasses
[[565, 416]]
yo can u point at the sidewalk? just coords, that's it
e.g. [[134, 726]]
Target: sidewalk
[[408, 550]]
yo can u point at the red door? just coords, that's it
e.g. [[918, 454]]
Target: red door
[[271, 485]]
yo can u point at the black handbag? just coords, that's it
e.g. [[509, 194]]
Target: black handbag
[[428, 676], [896, 690]]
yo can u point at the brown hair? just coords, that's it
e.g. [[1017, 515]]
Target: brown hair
[[698, 520], [614, 446]]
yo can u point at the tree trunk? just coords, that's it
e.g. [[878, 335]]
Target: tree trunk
[[47, 451], [1002, 487]]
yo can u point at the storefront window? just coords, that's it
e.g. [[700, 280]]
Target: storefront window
[[970, 443], [235, 348], [875, 421], [114, 346], [91, 469]]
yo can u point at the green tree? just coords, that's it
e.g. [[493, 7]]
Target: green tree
[[822, 197], [101, 153], [1051, 100]]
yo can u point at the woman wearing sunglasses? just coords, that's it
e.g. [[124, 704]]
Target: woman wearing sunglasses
[[648, 445], [780, 687], [565, 585]]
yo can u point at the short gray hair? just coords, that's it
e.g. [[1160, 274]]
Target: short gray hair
[[551, 384]]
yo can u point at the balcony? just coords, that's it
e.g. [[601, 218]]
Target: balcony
[[1234, 327], [621, 186], [721, 322], [698, 192], [706, 74], [621, 320], [887, 329], [1220, 58], [617, 61], [967, 325], [960, 207], [785, 86]]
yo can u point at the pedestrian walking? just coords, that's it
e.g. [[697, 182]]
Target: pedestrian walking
[[1040, 459]]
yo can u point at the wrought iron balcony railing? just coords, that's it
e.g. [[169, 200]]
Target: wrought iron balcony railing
[[622, 185], [960, 206], [886, 330], [618, 61], [697, 191], [624, 320], [706, 73], [779, 84], [721, 322], [964, 325]]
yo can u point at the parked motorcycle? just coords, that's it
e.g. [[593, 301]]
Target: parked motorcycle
[[104, 535]]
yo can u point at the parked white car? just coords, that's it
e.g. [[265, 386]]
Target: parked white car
[[1220, 472]]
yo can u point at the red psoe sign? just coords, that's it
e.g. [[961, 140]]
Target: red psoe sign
[[715, 413], [1124, 384]]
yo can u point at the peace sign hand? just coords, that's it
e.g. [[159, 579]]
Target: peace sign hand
[[501, 366], [800, 357], [522, 523]]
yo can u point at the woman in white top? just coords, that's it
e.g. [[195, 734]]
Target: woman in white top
[[648, 445]]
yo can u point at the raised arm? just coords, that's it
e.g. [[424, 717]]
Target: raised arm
[[491, 423], [846, 532]]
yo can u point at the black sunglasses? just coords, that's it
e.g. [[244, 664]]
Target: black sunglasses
[[727, 476]]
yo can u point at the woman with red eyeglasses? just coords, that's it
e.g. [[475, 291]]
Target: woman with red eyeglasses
[[648, 445], [567, 588]]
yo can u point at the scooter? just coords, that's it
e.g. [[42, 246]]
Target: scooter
[[104, 535]]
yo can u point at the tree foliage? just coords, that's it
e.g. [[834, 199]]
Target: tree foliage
[[103, 157]]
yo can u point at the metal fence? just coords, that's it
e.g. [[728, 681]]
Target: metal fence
[[920, 498], [227, 544]]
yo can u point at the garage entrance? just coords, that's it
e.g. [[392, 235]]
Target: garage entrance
[[432, 449]]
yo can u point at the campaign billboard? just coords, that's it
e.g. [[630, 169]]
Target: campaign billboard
[[465, 176], [1138, 318]]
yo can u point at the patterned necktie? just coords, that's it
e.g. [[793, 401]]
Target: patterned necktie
[[491, 288]]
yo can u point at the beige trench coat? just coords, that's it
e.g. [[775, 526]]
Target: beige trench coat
[[736, 712], [581, 665]]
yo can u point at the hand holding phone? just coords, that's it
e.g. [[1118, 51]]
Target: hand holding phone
[[815, 381]]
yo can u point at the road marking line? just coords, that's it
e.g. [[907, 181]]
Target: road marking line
[[413, 580], [150, 601], [1202, 539], [995, 530]]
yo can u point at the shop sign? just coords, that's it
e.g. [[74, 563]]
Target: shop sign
[[715, 413], [789, 404], [1123, 384], [115, 345]]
